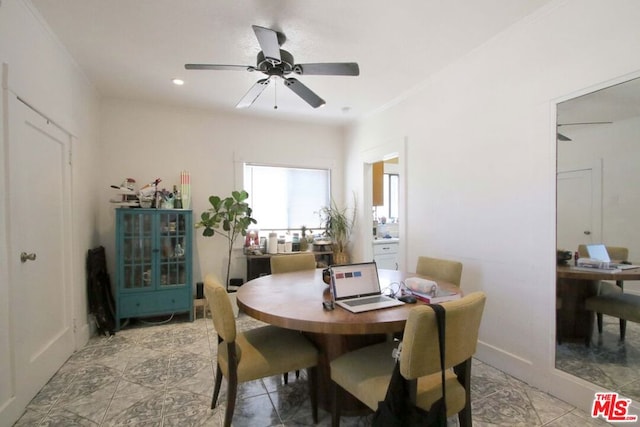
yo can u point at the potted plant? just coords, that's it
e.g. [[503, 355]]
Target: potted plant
[[338, 225], [229, 217]]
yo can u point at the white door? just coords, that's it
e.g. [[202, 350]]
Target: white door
[[40, 297], [578, 208]]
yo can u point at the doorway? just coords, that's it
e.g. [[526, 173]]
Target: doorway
[[40, 310], [392, 149]]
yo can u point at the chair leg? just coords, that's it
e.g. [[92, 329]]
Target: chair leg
[[599, 323], [232, 391], [463, 372], [285, 377], [335, 404], [312, 373], [216, 388], [623, 329]]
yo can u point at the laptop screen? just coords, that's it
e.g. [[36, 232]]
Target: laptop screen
[[599, 252], [354, 280]]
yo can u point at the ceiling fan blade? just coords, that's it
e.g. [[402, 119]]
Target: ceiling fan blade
[[253, 93], [218, 67], [304, 92], [328, 69], [268, 40]]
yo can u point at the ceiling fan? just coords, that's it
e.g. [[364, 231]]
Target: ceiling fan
[[561, 137], [275, 62]]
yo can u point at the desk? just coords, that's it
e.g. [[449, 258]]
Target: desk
[[294, 301], [260, 265], [572, 288]]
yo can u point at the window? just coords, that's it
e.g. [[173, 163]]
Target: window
[[284, 198], [390, 188]]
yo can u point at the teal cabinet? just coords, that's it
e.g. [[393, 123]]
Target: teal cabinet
[[154, 263]]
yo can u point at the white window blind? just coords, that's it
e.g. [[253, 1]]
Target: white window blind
[[286, 197]]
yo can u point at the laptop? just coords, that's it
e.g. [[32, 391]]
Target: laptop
[[356, 287], [599, 251]]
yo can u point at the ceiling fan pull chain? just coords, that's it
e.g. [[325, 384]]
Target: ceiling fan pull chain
[[275, 94]]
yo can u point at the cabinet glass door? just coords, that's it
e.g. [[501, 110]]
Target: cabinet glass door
[[137, 248], [173, 241]]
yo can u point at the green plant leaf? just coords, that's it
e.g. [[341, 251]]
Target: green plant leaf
[[215, 202], [231, 215]]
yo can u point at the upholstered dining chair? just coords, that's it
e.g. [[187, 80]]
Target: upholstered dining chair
[[289, 264], [365, 373], [257, 353], [440, 269], [293, 262], [606, 289]]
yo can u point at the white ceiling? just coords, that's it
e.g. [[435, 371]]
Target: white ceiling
[[133, 48], [610, 104]]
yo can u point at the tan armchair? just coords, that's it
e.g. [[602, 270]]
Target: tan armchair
[[365, 373], [440, 269], [257, 353], [293, 262], [607, 289]]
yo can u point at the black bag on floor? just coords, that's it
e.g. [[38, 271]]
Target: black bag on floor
[[101, 303], [397, 410]]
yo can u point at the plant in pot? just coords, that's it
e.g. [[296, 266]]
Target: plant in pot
[[338, 225], [229, 217]]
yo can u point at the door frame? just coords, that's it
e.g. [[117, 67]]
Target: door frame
[[388, 150]]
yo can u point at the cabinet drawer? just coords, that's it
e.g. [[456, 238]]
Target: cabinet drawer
[[133, 305], [386, 248], [158, 302], [173, 300]]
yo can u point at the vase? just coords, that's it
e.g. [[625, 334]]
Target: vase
[[340, 258]]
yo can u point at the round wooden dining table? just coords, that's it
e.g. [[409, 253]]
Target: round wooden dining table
[[573, 287], [294, 301]]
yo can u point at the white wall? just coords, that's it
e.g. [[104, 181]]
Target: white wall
[[145, 142], [481, 169], [60, 91], [41, 72]]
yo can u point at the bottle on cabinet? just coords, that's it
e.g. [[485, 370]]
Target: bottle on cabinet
[[177, 198]]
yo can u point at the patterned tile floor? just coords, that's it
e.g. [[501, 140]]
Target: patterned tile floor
[[608, 362], [162, 375]]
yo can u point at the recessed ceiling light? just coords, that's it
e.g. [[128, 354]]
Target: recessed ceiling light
[[178, 82]]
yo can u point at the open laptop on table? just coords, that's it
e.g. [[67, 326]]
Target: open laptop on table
[[356, 287], [599, 251]]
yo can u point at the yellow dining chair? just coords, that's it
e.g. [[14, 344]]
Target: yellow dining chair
[[609, 289], [365, 373], [257, 353], [440, 269], [293, 262], [289, 264]]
